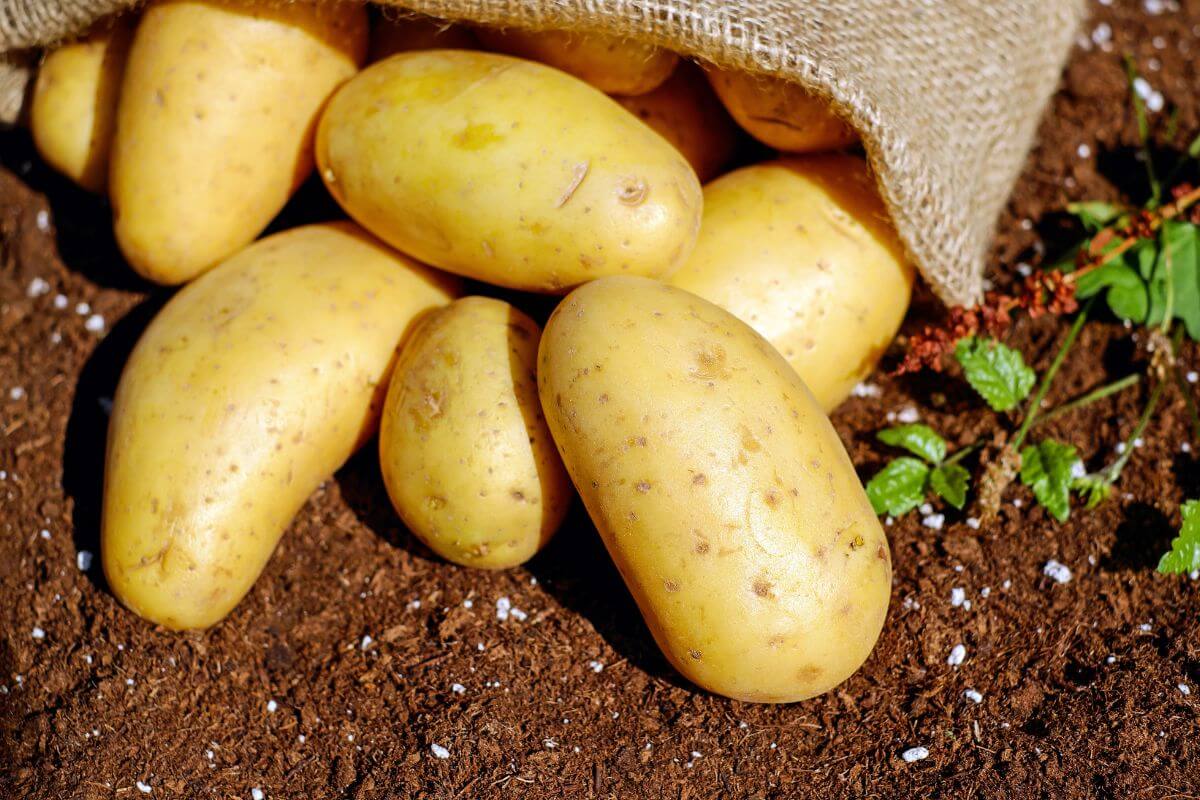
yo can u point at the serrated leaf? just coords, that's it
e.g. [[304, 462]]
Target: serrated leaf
[[899, 487], [1094, 215], [950, 482], [1094, 488], [1047, 469], [997, 372], [1176, 271], [920, 440], [1184, 555]]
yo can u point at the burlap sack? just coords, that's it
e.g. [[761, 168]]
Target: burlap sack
[[946, 94]]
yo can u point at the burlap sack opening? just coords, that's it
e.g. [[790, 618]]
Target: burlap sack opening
[[946, 94]]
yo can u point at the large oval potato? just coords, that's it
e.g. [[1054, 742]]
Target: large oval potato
[[466, 456], [214, 123], [74, 102], [720, 489], [781, 114], [506, 171], [248, 389], [688, 115], [803, 250], [611, 64], [390, 36]]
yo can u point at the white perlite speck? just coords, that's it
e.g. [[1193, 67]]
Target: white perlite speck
[[973, 696], [1145, 627], [271, 706], [596, 666], [1061, 573], [908, 415], [934, 521], [503, 607], [83, 560], [958, 654], [1083, 151], [38, 287], [61, 301], [439, 751], [957, 596], [973, 523], [256, 794], [914, 754], [94, 324], [83, 309], [366, 642], [1184, 689], [865, 390], [458, 688], [144, 788], [38, 633], [16, 393], [42, 220], [1102, 34]]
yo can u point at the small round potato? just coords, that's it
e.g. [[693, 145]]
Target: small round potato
[[75, 102], [803, 251], [611, 64], [506, 171], [466, 456], [249, 388], [215, 121], [720, 488], [688, 115], [781, 114], [400, 35]]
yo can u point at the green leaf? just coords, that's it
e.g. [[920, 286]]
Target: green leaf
[[996, 371], [1094, 488], [1095, 215], [950, 482], [1124, 278], [1184, 555], [899, 487], [1174, 286], [1047, 468], [920, 440]]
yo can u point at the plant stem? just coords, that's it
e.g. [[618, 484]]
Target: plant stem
[[1035, 405], [1114, 472], [1169, 212], [961, 453], [1091, 397]]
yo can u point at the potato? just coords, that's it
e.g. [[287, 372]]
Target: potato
[[75, 102], [466, 456], [214, 123], [781, 114], [251, 387], [719, 487], [802, 249], [400, 35], [506, 171], [688, 115], [611, 64]]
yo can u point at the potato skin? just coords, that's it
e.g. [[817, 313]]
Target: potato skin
[[611, 64], [781, 114], [214, 123], [403, 34], [249, 388], [688, 115], [506, 171], [74, 102], [719, 487], [803, 251], [467, 459]]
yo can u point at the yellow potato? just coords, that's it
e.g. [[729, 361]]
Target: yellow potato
[[392, 36], [466, 456], [75, 102], [611, 64], [803, 251], [251, 387], [781, 114], [719, 487], [214, 123], [506, 171], [688, 115]]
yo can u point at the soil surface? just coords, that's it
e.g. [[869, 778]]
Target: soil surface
[[357, 651]]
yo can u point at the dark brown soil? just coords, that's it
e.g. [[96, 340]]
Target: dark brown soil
[[1080, 682]]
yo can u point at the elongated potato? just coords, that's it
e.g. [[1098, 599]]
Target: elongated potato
[[781, 114], [75, 102], [611, 64], [251, 387], [466, 456], [803, 251], [400, 35], [719, 487], [688, 115], [214, 123], [506, 171]]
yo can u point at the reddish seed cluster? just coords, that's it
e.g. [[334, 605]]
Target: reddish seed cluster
[[1041, 293]]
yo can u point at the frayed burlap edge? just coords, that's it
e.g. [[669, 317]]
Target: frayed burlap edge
[[946, 96]]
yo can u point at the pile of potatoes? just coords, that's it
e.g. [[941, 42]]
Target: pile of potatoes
[[712, 317]]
